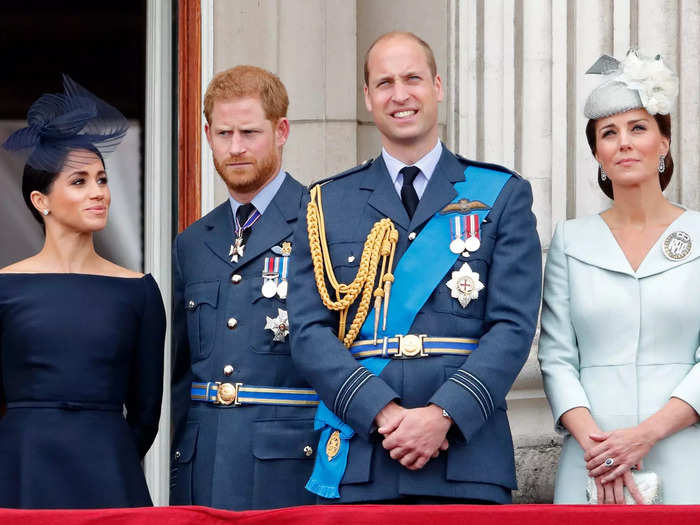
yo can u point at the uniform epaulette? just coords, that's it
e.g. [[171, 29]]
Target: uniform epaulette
[[487, 165], [366, 164]]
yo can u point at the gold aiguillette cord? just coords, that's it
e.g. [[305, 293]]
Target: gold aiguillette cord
[[380, 247]]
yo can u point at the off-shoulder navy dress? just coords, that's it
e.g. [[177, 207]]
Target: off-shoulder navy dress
[[81, 373]]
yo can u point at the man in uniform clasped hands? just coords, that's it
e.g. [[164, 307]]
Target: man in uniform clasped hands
[[413, 374]]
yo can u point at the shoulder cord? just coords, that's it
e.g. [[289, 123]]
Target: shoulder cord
[[381, 242]]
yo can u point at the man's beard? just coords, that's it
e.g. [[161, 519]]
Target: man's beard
[[249, 179]]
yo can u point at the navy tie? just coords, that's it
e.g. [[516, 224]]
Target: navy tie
[[409, 197]]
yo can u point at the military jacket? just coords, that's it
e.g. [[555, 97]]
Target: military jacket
[[479, 463], [236, 457]]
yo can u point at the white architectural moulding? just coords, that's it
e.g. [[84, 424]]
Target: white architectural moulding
[[158, 213], [207, 171]]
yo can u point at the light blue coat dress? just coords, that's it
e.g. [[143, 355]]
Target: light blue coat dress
[[622, 343]]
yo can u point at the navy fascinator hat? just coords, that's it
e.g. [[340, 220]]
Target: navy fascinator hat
[[58, 123]]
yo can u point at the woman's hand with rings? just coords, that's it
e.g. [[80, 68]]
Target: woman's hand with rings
[[616, 452], [613, 492]]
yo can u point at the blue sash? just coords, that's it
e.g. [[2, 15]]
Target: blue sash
[[417, 274]]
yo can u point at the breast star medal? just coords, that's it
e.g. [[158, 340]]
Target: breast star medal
[[677, 246], [333, 445], [279, 325], [465, 285]]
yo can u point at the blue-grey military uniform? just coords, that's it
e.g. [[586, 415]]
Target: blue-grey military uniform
[[235, 456], [479, 463]]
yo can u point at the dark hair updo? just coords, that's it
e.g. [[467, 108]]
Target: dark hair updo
[[664, 123], [36, 180]]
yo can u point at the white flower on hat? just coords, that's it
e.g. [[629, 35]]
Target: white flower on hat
[[656, 84]]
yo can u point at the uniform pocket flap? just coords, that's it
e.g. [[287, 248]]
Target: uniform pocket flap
[[184, 452], [345, 253], [284, 439], [201, 293]]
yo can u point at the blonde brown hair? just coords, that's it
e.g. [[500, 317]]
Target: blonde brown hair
[[429, 56], [248, 81]]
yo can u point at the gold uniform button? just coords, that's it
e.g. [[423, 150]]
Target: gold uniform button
[[308, 450], [236, 278], [232, 323], [228, 370], [411, 236]]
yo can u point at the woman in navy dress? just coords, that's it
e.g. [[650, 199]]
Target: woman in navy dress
[[81, 339]]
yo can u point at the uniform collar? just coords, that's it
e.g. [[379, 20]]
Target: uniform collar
[[426, 164], [264, 197]]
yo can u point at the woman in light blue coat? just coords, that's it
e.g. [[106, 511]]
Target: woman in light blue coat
[[621, 315]]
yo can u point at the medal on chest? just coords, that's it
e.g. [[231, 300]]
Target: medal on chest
[[465, 285], [464, 234], [236, 250], [238, 246], [279, 326], [274, 275]]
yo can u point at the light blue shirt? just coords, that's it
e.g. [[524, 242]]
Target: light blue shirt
[[264, 197], [426, 165]]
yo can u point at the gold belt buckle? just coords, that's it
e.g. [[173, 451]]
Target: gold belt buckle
[[410, 346], [227, 394]]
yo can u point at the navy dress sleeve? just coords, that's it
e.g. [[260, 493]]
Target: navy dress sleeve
[[145, 392]]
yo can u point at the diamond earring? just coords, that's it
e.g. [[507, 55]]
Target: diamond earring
[[662, 164], [45, 212], [603, 175]]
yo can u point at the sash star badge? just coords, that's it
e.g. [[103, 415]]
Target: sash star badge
[[279, 326], [465, 285]]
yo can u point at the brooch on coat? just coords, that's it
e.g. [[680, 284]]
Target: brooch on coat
[[677, 246]]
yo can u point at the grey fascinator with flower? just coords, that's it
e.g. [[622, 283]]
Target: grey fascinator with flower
[[58, 123], [635, 82]]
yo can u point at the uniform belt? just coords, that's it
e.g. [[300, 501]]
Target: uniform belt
[[412, 346], [237, 394]]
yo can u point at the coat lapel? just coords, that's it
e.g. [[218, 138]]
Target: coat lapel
[[274, 224], [219, 231], [440, 189], [272, 227], [656, 262], [589, 240], [384, 197]]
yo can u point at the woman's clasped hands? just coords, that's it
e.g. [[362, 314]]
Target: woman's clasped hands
[[611, 458]]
